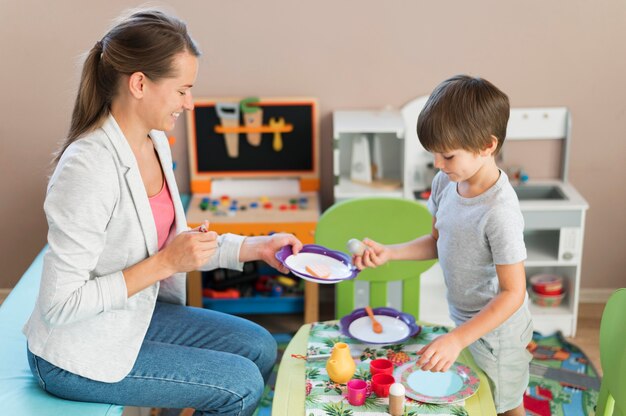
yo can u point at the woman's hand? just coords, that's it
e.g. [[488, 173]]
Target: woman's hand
[[440, 354], [265, 248], [189, 250], [375, 255]]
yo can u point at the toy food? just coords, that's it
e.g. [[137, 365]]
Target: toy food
[[550, 301], [356, 247], [320, 271], [547, 284]]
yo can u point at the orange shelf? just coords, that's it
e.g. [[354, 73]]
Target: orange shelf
[[287, 128]]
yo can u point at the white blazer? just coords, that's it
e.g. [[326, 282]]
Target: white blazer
[[100, 222]]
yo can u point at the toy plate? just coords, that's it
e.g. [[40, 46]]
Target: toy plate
[[397, 326], [454, 385], [339, 264]]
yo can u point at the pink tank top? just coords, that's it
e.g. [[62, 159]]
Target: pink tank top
[[163, 213]]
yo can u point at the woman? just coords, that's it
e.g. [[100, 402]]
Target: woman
[[110, 323]]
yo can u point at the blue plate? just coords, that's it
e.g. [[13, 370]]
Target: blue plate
[[454, 385]]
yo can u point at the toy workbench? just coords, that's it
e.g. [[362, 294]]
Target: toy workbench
[[254, 168]]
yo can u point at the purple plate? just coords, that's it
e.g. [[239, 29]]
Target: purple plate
[[339, 264], [397, 326]]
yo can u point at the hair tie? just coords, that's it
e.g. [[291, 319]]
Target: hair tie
[[99, 46]]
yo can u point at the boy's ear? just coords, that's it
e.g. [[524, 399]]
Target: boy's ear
[[490, 150]]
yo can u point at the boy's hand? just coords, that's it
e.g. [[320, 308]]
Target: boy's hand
[[440, 354], [375, 255]]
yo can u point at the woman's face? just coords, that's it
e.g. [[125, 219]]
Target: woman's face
[[167, 98]]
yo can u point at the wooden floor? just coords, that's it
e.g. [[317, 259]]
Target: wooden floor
[[587, 335], [588, 331]]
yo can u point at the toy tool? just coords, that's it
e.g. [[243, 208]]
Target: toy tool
[[278, 125], [229, 117], [252, 118]]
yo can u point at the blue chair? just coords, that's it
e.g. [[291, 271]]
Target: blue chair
[[20, 394]]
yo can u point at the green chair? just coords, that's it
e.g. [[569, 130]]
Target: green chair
[[388, 221], [612, 400]]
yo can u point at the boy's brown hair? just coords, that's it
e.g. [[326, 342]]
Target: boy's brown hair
[[463, 112]]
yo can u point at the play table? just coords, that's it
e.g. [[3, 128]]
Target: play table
[[290, 390]]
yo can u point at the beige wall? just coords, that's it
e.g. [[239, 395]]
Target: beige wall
[[348, 54]]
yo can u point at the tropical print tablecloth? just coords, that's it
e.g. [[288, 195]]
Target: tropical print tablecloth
[[325, 398]]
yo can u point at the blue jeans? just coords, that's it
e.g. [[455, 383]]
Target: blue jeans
[[190, 357]]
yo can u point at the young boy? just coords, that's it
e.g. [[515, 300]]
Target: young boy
[[477, 235]]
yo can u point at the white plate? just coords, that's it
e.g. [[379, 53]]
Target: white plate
[[394, 329], [338, 270]]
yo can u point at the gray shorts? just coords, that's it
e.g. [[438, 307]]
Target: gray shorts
[[502, 355]]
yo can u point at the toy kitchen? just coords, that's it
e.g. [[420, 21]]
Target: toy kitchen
[[535, 156]]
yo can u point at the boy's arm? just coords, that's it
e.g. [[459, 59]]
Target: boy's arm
[[422, 248], [512, 279]]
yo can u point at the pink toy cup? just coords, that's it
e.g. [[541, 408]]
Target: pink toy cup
[[381, 384], [357, 391], [381, 366]]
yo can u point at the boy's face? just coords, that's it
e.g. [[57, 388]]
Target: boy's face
[[460, 165]]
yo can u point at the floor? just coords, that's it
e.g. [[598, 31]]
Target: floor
[[588, 331]]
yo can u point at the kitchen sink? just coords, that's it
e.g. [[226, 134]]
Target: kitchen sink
[[528, 192]]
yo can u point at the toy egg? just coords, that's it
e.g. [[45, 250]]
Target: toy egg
[[356, 247]]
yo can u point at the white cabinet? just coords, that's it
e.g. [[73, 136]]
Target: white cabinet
[[378, 153], [553, 233], [554, 212], [368, 153]]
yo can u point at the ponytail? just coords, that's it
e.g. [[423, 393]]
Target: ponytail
[[93, 98]]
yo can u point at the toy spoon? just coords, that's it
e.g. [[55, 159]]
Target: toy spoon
[[376, 326]]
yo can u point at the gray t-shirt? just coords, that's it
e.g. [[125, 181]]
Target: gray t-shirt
[[475, 234]]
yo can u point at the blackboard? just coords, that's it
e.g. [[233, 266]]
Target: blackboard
[[297, 154]]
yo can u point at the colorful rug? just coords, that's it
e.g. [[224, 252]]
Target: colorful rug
[[563, 381]]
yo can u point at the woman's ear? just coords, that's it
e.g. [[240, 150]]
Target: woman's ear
[[491, 148], [136, 84]]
